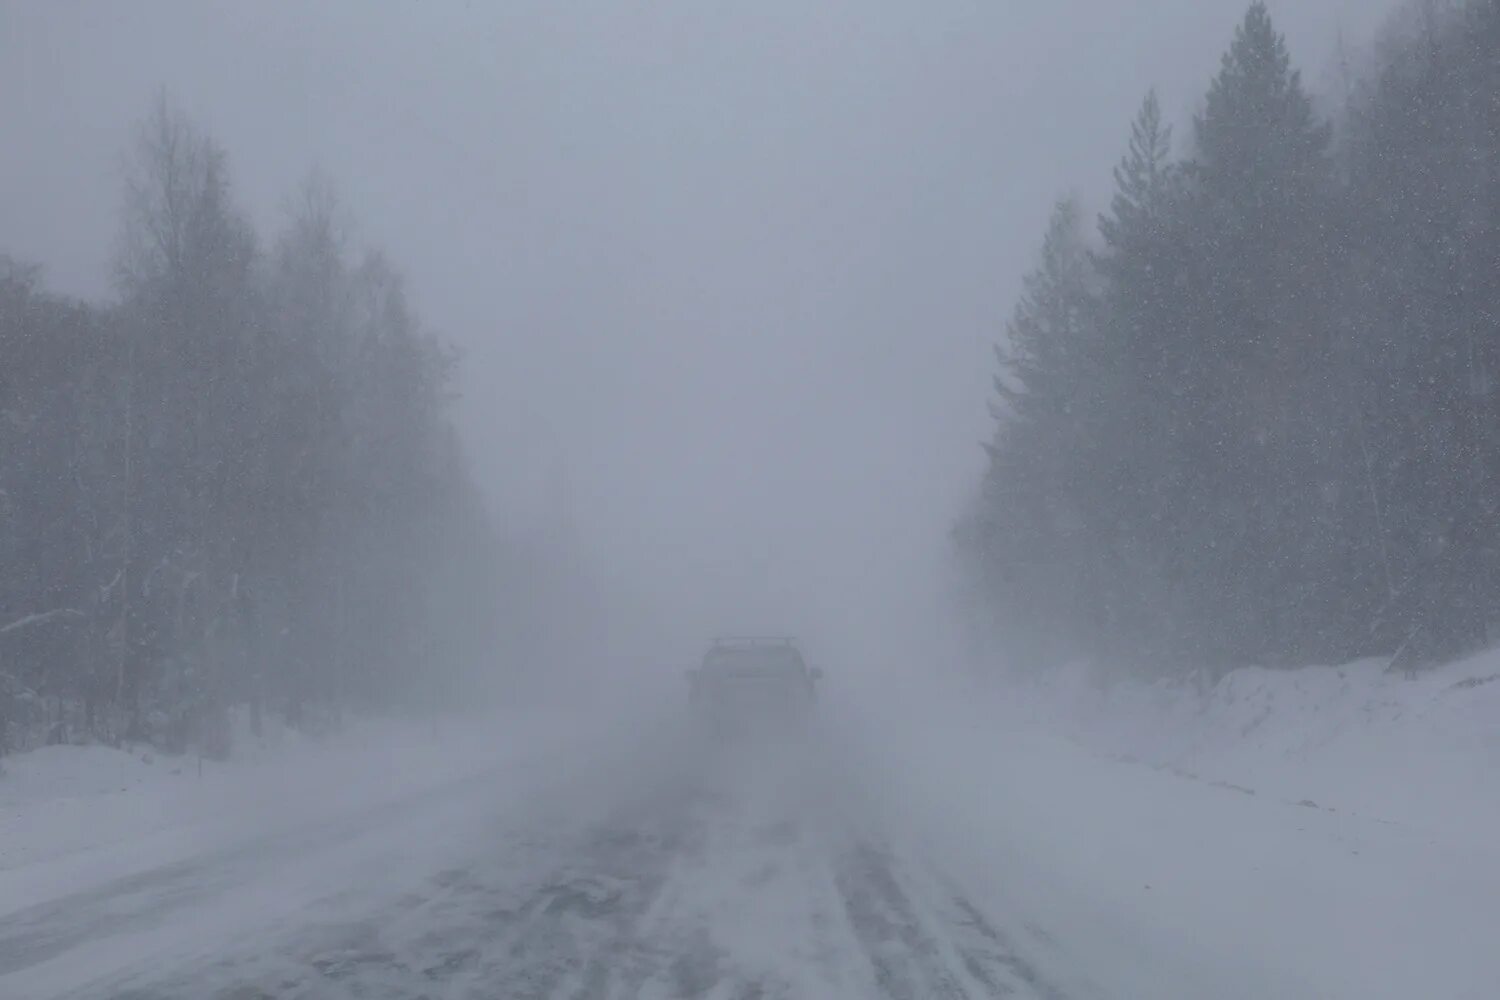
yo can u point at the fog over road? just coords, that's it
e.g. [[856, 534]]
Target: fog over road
[[396, 398]]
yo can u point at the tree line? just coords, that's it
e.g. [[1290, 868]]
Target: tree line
[[235, 484], [1252, 415]]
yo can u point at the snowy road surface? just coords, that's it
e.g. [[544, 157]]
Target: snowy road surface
[[907, 855], [711, 872]]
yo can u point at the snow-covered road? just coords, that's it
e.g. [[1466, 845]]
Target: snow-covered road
[[715, 872], [895, 851], [687, 893]]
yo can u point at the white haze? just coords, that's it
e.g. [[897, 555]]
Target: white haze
[[726, 276], [726, 279]]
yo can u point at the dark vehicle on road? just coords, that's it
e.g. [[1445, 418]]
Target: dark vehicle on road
[[749, 680]]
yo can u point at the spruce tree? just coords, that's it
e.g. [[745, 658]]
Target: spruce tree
[[1254, 353], [1424, 144], [1038, 521], [1141, 264]]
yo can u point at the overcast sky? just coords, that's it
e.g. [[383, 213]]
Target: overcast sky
[[728, 272]]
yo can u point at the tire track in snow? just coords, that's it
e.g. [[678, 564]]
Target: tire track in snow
[[45, 931], [546, 916], [718, 885]]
